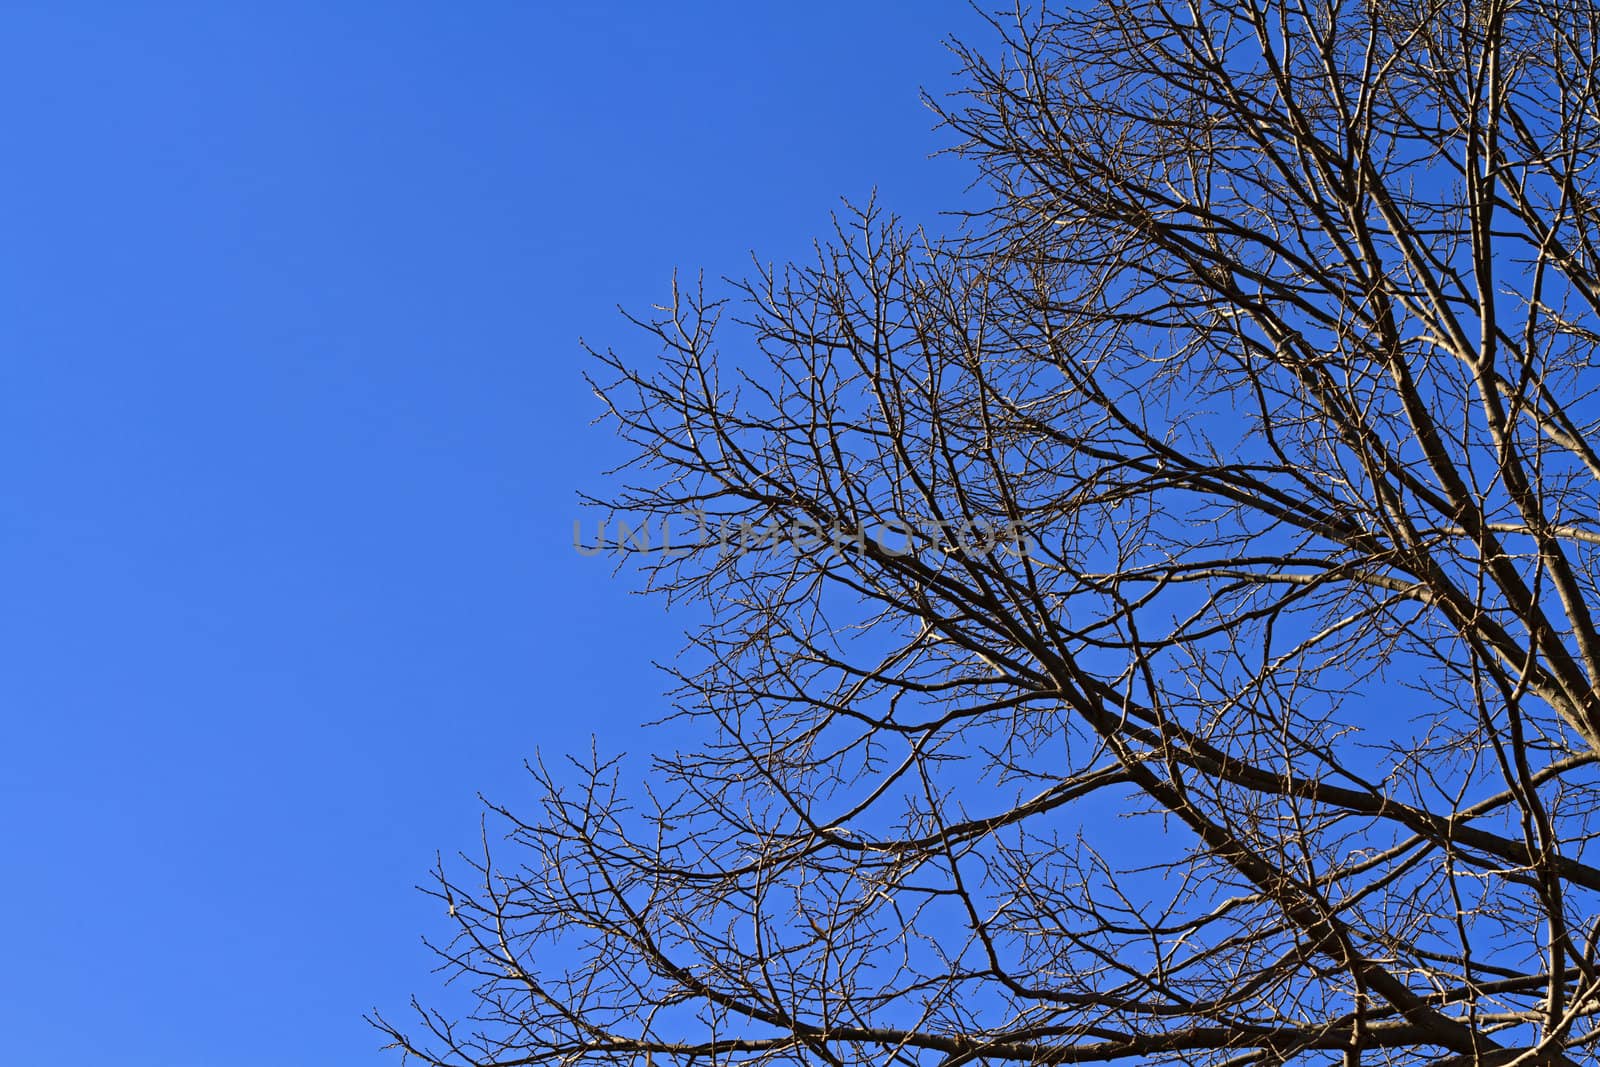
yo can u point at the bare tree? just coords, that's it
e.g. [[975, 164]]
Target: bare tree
[[1272, 740]]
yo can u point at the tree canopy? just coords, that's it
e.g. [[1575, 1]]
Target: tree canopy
[[1227, 691]]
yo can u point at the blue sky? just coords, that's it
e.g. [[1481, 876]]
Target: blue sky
[[291, 429]]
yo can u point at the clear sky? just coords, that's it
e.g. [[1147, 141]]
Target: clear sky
[[291, 427]]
